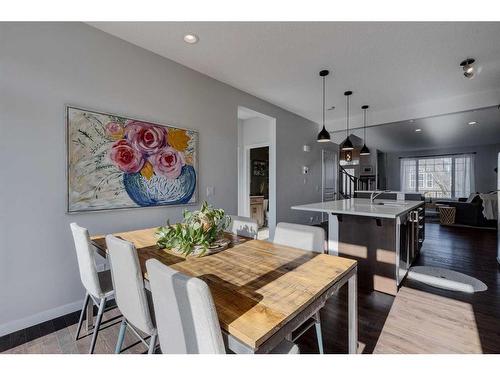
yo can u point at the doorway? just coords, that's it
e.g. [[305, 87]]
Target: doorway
[[259, 189], [257, 169]]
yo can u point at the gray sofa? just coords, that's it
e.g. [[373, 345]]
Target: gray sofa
[[469, 213]]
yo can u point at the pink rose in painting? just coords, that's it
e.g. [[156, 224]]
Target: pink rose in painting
[[145, 137], [168, 163], [114, 130], [126, 158]]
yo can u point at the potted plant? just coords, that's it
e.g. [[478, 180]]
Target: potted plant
[[200, 232]]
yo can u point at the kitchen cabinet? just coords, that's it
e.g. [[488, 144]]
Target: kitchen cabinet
[[257, 209]]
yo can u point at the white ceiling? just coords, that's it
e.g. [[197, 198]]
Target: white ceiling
[[402, 70], [438, 132]]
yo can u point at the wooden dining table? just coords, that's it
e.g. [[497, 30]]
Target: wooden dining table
[[263, 292]]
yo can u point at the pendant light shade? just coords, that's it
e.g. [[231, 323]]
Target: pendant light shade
[[364, 150], [347, 145], [323, 135]]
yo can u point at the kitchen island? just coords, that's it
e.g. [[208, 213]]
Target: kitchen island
[[384, 236]]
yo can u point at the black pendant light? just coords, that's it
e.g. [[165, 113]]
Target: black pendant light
[[323, 135], [347, 145], [364, 150]]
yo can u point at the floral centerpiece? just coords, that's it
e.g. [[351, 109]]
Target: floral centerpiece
[[200, 232]]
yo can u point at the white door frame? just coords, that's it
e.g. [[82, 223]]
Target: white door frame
[[244, 174]]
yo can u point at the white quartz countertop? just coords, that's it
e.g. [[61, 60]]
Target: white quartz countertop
[[362, 207]]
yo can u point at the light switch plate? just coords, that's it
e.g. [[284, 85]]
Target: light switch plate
[[210, 191]]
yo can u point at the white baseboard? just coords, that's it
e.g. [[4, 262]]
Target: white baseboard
[[40, 317], [50, 314]]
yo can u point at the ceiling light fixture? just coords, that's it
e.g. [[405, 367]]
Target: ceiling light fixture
[[323, 135], [418, 130], [347, 145], [472, 123], [364, 150], [468, 67], [191, 38]]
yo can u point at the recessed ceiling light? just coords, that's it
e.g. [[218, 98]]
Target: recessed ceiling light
[[418, 130], [472, 122], [191, 38], [468, 67]]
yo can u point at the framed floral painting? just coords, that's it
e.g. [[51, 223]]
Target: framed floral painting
[[117, 162]]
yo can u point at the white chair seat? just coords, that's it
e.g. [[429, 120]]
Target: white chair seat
[[98, 285], [244, 226], [307, 238], [303, 237], [286, 347], [130, 293], [106, 283]]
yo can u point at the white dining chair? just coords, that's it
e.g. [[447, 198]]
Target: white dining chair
[[244, 226], [186, 316], [98, 285], [307, 238], [130, 294]]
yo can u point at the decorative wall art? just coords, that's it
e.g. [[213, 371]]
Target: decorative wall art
[[117, 162]]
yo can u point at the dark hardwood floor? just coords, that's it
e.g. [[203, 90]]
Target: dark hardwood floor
[[419, 319]]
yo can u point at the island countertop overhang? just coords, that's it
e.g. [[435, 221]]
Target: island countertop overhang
[[362, 207]]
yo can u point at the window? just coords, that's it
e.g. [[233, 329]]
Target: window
[[429, 182], [449, 176], [412, 182]]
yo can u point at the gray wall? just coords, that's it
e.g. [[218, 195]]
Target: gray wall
[[43, 66], [485, 162]]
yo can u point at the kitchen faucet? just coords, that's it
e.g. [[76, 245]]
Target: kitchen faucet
[[377, 193]]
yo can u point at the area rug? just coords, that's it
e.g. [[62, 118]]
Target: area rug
[[446, 279]]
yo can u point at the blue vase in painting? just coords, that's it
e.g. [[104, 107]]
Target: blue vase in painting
[[159, 190]]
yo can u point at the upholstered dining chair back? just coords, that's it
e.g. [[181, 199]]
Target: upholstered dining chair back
[[304, 237], [86, 260], [185, 312], [244, 226], [128, 282]]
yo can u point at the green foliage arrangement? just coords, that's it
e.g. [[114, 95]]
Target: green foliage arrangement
[[198, 231]]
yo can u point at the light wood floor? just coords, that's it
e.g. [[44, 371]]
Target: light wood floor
[[421, 319]]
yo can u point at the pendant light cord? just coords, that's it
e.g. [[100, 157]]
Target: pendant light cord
[[364, 126], [323, 102], [347, 116]]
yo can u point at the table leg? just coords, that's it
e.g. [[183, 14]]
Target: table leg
[[90, 314], [353, 314]]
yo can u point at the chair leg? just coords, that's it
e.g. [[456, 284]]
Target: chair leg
[[97, 325], [152, 344], [318, 333], [90, 315], [121, 336], [80, 322]]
